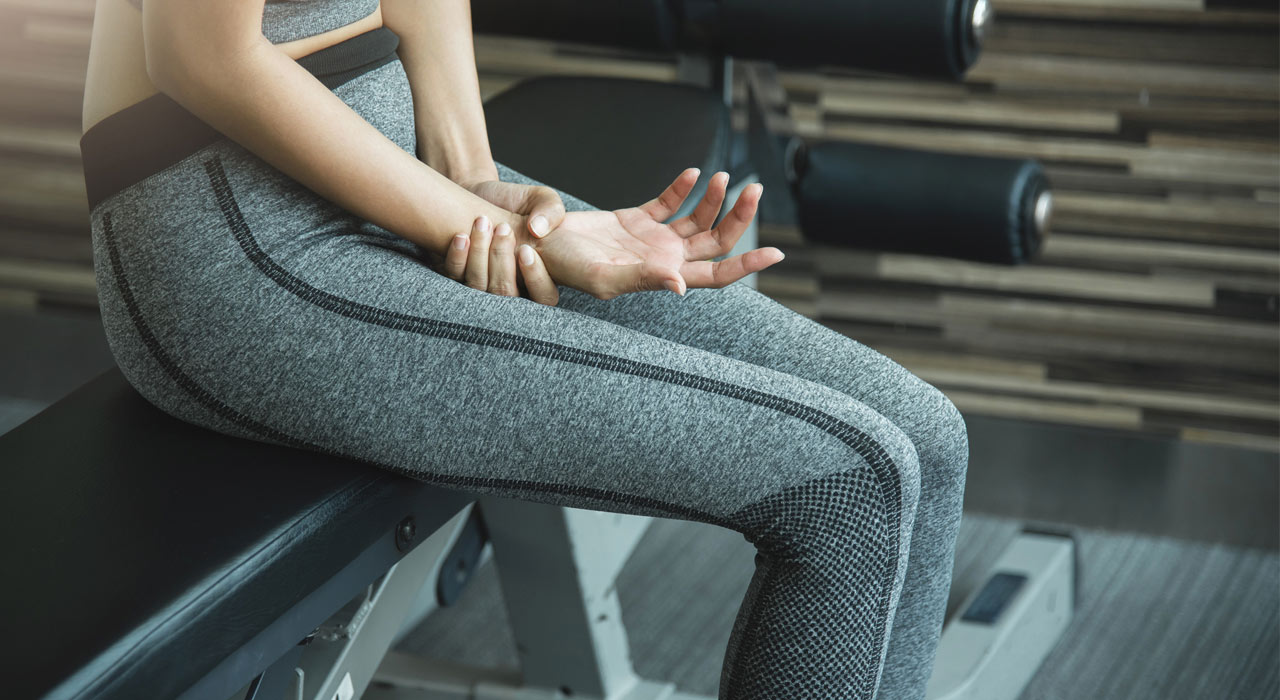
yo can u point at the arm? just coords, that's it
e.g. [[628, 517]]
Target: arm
[[212, 58], [438, 55]]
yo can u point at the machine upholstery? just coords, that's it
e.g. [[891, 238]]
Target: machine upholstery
[[149, 558], [651, 132], [144, 553]]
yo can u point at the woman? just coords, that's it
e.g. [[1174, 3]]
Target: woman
[[264, 238]]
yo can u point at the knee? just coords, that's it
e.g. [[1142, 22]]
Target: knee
[[867, 498], [896, 464]]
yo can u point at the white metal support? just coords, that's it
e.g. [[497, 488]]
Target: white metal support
[[995, 659]]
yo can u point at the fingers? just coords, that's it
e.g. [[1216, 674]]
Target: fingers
[[720, 240], [705, 273], [667, 203], [487, 261], [546, 211], [502, 262], [704, 215], [477, 273], [456, 265], [455, 259], [537, 282]]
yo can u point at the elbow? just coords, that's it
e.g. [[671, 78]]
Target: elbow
[[173, 65], [161, 69]]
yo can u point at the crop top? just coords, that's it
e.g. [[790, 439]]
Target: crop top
[[289, 20]]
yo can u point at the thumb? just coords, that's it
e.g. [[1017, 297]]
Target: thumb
[[546, 211], [656, 278]]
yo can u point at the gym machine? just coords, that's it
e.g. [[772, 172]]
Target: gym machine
[[557, 566], [129, 579]]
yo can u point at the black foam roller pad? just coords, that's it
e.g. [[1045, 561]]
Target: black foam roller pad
[[880, 198], [931, 38], [638, 24]]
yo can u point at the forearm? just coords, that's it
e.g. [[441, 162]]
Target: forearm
[[438, 55], [249, 90]]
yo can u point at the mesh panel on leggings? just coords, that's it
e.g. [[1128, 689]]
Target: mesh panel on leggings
[[813, 624]]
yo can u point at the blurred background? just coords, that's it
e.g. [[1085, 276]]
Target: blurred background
[[1126, 382]]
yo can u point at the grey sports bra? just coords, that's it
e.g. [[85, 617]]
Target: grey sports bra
[[288, 20]]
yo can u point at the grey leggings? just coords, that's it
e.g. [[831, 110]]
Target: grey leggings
[[238, 300]]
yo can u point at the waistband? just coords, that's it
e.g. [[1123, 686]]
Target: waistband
[[144, 138]]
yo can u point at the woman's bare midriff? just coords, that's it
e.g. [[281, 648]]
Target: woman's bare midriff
[[117, 75]]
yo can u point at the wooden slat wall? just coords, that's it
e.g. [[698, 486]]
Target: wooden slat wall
[[1154, 307]]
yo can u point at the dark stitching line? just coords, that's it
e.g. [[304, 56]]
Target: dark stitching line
[[875, 455], [170, 367], [872, 452], [126, 293], [206, 398]]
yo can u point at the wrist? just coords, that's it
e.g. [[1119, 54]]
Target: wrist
[[469, 177], [451, 210]]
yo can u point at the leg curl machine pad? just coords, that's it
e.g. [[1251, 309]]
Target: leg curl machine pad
[[970, 207]]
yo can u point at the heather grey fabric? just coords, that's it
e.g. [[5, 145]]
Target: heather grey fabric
[[289, 20], [236, 299]]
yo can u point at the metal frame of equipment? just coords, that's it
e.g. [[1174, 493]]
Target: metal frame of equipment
[[558, 567]]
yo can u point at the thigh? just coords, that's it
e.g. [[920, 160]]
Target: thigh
[[279, 318]]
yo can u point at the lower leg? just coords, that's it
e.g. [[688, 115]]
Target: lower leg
[[734, 322], [815, 620]]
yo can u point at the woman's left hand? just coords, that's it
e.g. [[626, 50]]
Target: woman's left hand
[[541, 206], [492, 261]]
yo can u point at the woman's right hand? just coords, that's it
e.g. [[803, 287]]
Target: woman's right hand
[[489, 260], [610, 253]]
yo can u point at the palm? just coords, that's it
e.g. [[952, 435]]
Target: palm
[[608, 253], [598, 240]]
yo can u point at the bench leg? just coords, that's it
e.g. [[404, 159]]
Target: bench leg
[[343, 654], [997, 640], [557, 568]]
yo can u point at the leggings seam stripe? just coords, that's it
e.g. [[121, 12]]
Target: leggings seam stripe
[[872, 452], [225, 411], [863, 444]]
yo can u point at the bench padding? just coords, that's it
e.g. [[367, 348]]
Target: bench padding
[[141, 551]]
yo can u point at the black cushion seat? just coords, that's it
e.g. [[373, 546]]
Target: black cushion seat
[[612, 142], [143, 554]]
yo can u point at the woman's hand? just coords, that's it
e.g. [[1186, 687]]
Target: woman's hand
[[541, 207], [489, 261], [610, 253]]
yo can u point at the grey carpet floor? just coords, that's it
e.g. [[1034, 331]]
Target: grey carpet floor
[[1159, 619]]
